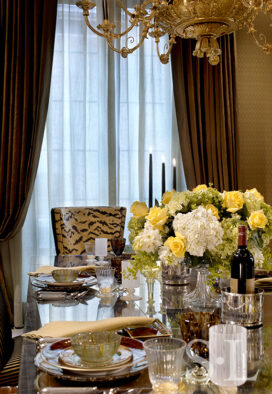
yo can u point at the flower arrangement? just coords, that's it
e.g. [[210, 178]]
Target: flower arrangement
[[200, 226]]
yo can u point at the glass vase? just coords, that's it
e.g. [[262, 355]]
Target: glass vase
[[175, 274], [150, 274], [202, 298]]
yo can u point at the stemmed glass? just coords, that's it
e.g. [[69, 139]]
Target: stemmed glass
[[118, 245], [129, 284]]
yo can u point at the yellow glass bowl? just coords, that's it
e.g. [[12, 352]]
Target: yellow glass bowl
[[65, 275], [96, 348]]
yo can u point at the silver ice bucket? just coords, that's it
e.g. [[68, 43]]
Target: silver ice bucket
[[243, 309]]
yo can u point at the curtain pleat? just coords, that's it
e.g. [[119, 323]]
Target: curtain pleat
[[27, 30], [205, 99]]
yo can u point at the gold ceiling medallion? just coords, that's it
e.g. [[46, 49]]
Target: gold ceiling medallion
[[203, 20]]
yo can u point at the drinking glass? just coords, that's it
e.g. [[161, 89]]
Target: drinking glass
[[228, 355], [118, 245], [165, 362], [105, 280], [90, 250]]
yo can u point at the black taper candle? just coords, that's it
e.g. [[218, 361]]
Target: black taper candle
[[163, 177], [150, 195], [174, 175]]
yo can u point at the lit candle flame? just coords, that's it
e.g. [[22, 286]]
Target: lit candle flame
[[174, 162], [163, 158], [150, 149]]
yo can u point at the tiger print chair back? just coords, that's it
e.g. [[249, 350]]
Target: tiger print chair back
[[10, 350], [72, 226]]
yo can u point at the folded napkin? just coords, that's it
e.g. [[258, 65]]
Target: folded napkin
[[69, 328], [47, 269]]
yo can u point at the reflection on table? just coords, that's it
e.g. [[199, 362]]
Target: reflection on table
[[168, 307]]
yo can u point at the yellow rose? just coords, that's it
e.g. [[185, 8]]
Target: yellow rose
[[139, 209], [256, 193], [167, 197], [257, 219], [157, 217], [213, 209], [233, 201], [177, 245], [199, 188]]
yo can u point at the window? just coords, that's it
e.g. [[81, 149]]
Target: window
[[104, 114]]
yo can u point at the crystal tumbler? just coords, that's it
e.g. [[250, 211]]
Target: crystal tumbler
[[165, 362], [105, 280]]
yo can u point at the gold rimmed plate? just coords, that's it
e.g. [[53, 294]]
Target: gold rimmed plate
[[47, 282], [71, 361], [48, 361]]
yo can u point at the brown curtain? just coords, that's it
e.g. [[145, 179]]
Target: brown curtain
[[27, 31], [205, 100]]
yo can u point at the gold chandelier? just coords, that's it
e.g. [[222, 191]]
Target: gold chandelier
[[204, 20]]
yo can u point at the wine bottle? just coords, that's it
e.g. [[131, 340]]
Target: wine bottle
[[242, 266]]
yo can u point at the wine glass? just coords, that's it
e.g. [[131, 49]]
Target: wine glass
[[118, 245]]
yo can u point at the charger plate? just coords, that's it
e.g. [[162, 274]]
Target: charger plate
[[49, 362], [70, 361], [47, 282]]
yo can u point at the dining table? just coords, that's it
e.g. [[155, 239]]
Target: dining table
[[166, 305]]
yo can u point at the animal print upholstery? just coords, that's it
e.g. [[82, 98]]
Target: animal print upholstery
[[72, 226], [6, 342], [10, 354]]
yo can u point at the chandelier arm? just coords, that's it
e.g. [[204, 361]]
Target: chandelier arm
[[124, 8], [125, 50], [164, 57], [133, 24], [146, 2], [266, 46], [119, 35], [92, 28]]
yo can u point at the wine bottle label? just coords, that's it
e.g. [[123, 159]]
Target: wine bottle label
[[248, 286], [233, 285]]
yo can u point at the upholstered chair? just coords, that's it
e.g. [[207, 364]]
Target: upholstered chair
[[72, 226], [10, 350]]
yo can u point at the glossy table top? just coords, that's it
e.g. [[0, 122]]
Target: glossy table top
[[167, 305]]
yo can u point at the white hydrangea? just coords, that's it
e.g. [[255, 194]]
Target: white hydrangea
[[201, 229], [149, 240]]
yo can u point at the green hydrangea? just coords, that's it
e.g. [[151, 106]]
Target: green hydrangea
[[143, 261], [135, 226]]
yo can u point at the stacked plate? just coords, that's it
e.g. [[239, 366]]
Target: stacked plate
[[47, 282], [264, 284], [60, 360]]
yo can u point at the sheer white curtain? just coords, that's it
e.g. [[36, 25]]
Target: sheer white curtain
[[105, 112]]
